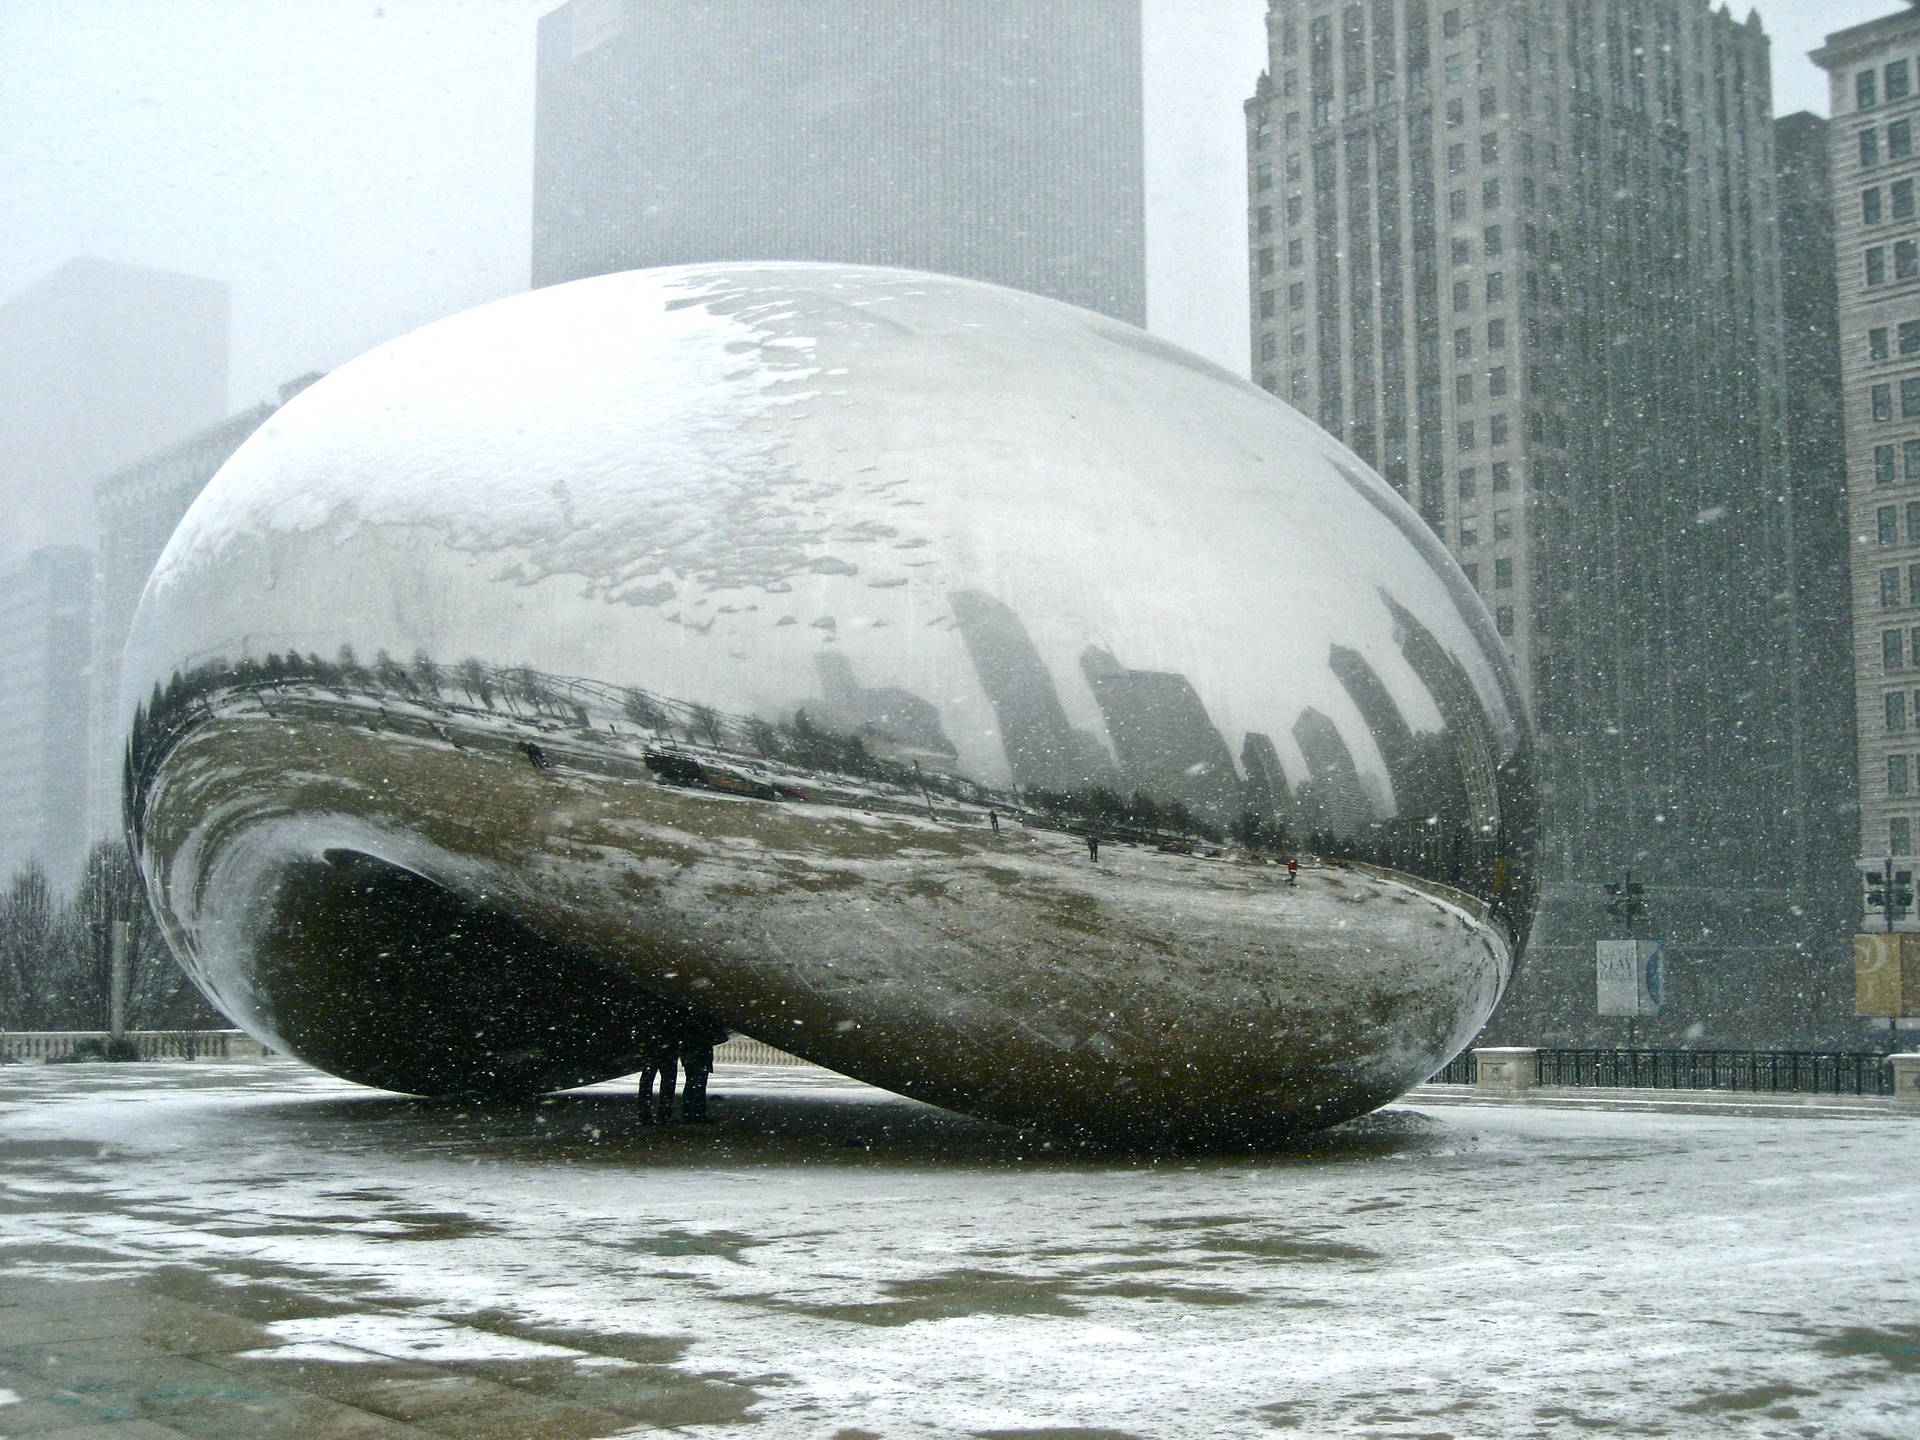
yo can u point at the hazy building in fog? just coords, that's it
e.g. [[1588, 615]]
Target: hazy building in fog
[[45, 610], [99, 363], [1874, 169], [996, 142], [1523, 257]]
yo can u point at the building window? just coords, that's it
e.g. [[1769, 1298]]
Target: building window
[[1263, 219], [1899, 139], [1913, 520], [1890, 587], [1297, 340], [1497, 382], [1456, 159], [1496, 245], [1293, 209], [1490, 148], [1865, 90], [1900, 197], [1882, 396], [1502, 475], [1913, 584], [1896, 78], [1296, 254], [1266, 259], [1293, 165], [1490, 102], [1469, 533], [1870, 206], [1463, 343], [1877, 265], [1883, 465], [1906, 259], [1503, 619], [1463, 294], [1503, 526], [1269, 348], [1297, 295], [1297, 384], [1456, 112], [1900, 836], [1526, 192], [1869, 147], [1467, 441], [1909, 337], [1503, 574], [1263, 177], [1469, 483], [1463, 389], [1896, 774], [1496, 334], [1450, 24], [1892, 649], [1896, 707], [1490, 194], [1496, 287], [1888, 519], [1472, 572], [1462, 252], [1877, 343], [1909, 459], [1497, 429], [1456, 204], [1910, 396], [1267, 305], [1293, 124]]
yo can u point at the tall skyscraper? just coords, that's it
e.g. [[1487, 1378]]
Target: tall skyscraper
[[1521, 256], [99, 363], [45, 613], [998, 142]]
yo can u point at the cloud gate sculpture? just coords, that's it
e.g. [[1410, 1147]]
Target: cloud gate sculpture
[[928, 679]]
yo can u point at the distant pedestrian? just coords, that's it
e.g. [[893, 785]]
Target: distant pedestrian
[[535, 754], [661, 1070], [1093, 847], [1293, 872], [993, 819], [696, 1059]]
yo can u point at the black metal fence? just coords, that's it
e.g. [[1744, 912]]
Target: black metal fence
[[1803, 1072]]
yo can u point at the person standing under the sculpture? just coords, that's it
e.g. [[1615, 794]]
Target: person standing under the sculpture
[[1293, 872], [1093, 847], [696, 1059], [661, 1062]]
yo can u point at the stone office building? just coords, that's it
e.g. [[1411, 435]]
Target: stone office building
[[1522, 256]]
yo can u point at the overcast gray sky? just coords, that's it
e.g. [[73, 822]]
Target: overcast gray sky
[[355, 169]]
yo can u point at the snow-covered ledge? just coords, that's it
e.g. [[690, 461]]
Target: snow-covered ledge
[[1502, 1069], [1906, 1081]]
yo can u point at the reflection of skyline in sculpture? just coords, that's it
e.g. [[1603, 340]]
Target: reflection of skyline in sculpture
[[1415, 769], [1042, 746], [1166, 744], [1333, 799], [895, 723], [1464, 725]]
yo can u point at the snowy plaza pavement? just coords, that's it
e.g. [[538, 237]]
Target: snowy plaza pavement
[[257, 1250]]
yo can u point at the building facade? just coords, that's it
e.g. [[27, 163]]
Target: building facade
[[45, 616], [1874, 74], [100, 363], [1522, 256], [995, 142]]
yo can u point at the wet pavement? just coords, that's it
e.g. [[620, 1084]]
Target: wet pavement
[[256, 1250]]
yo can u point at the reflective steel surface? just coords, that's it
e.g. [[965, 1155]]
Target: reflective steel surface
[[926, 678]]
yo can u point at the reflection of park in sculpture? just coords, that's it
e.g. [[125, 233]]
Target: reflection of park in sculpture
[[833, 780]]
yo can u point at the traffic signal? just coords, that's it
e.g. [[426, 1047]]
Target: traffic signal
[[1891, 893], [1624, 902]]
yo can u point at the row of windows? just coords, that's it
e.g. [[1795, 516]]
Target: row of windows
[[1496, 290], [1906, 262], [1893, 651], [1489, 153], [1463, 386], [1897, 710], [1890, 586], [1867, 85], [1502, 576], [1468, 433], [1880, 399], [1906, 456], [1899, 143], [1502, 530], [1899, 206], [1501, 482], [1887, 523], [1908, 332], [1489, 199]]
